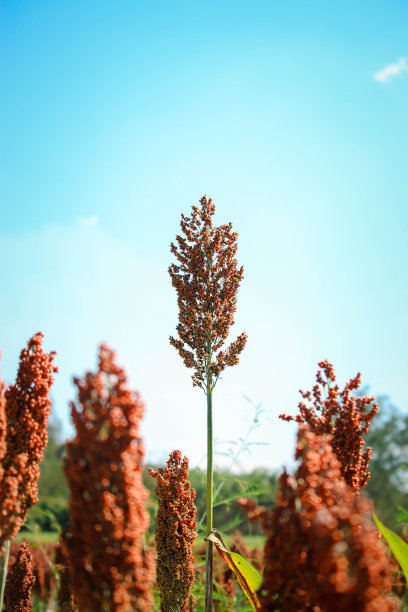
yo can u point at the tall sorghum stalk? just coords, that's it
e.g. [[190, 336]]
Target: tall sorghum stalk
[[103, 465], [175, 534], [206, 279], [24, 410]]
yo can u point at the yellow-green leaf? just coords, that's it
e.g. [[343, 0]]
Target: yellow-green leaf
[[248, 577], [397, 545]]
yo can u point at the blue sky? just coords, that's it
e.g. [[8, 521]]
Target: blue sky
[[118, 116]]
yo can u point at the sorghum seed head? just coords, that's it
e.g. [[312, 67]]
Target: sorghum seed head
[[206, 278]]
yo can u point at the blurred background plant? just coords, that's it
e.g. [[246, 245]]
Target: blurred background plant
[[387, 487]]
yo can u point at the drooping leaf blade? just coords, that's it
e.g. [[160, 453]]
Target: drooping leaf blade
[[398, 546], [248, 577]]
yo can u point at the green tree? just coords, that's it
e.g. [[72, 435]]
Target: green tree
[[388, 437], [52, 482]]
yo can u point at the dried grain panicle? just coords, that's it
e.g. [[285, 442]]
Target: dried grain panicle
[[206, 279], [24, 410], [343, 415], [175, 533], [107, 506]]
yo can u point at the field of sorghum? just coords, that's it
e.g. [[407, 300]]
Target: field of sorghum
[[321, 549]]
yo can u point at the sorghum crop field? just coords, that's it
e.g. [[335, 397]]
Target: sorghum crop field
[[136, 537]]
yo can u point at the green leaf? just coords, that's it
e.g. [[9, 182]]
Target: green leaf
[[233, 523], [397, 545], [250, 493], [402, 516], [248, 577]]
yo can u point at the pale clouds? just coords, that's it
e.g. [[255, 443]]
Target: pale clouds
[[392, 70], [88, 221]]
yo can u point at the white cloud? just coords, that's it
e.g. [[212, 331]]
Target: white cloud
[[88, 221], [392, 70]]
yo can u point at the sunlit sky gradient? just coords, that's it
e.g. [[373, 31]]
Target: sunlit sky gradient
[[118, 116]]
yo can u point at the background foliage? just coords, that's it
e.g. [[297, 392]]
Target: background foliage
[[387, 487]]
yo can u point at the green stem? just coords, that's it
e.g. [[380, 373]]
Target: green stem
[[210, 486], [3, 571], [209, 552], [244, 442]]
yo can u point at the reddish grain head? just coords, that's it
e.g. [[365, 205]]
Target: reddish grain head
[[322, 550], [206, 279], [107, 506], [20, 581], [65, 597], [175, 533], [343, 415], [24, 411]]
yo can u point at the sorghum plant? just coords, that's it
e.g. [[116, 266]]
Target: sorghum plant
[[24, 410], [322, 550], [20, 581], [24, 436], [103, 465], [3, 430], [175, 533], [206, 278], [65, 597], [345, 417]]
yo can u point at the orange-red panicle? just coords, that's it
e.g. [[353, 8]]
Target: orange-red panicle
[[24, 411], [206, 279], [322, 550], [343, 415], [175, 533], [20, 581], [107, 506]]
